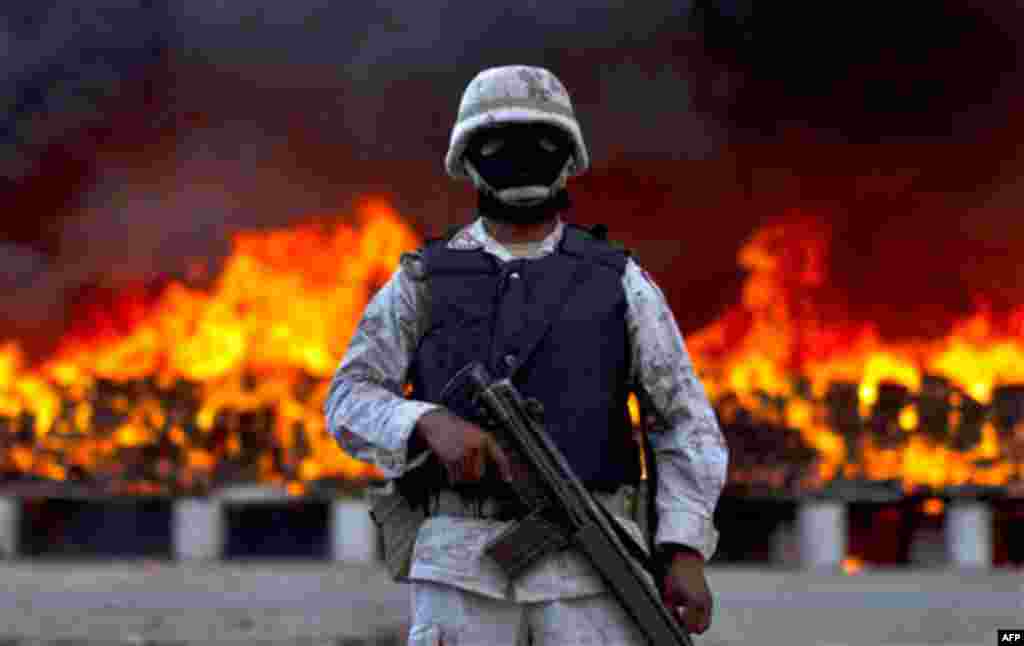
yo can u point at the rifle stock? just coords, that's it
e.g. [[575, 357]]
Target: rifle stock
[[563, 512]]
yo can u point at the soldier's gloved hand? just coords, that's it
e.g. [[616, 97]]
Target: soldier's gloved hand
[[464, 448]]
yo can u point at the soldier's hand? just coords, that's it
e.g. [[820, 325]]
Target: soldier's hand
[[686, 586], [464, 448]]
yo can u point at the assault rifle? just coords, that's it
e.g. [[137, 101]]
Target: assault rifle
[[561, 512]]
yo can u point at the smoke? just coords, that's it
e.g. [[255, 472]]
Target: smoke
[[140, 134], [33, 290], [399, 68], [59, 61]]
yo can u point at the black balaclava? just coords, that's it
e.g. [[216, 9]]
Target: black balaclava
[[520, 162]]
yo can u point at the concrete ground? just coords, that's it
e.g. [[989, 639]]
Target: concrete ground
[[307, 602]]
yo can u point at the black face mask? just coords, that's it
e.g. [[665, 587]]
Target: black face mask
[[492, 208], [519, 154]]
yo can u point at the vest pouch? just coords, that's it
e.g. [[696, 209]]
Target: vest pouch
[[398, 524]]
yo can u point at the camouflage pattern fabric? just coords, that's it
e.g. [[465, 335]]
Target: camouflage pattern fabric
[[372, 420]]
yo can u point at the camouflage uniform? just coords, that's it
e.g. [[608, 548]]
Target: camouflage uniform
[[459, 596]]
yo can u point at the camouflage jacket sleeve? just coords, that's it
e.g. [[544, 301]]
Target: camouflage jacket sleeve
[[365, 408], [689, 447]]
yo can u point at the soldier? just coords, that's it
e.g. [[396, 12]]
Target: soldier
[[574, 322]]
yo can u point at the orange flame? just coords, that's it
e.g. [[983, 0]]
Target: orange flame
[[787, 327], [933, 507], [283, 309], [852, 566], [261, 344]]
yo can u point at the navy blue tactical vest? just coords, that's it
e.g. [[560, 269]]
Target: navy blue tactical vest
[[557, 326]]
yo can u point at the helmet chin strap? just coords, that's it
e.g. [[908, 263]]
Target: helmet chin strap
[[531, 195]]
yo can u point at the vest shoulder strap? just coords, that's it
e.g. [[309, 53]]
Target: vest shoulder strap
[[600, 232], [593, 243], [448, 234]]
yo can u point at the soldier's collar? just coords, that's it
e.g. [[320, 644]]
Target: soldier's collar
[[475, 236]]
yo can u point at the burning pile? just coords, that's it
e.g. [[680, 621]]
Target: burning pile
[[199, 389], [808, 397], [194, 389]]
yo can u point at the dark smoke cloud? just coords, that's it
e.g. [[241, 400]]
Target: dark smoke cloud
[[60, 59], [140, 134]]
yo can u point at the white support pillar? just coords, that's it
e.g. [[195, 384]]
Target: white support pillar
[[969, 534], [822, 531], [199, 529], [10, 526], [353, 534]]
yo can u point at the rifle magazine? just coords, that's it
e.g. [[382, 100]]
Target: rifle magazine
[[525, 542]]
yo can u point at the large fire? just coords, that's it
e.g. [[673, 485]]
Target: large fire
[[205, 379], [199, 388], [930, 414]]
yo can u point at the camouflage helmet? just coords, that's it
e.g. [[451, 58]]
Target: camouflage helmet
[[514, 94]]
